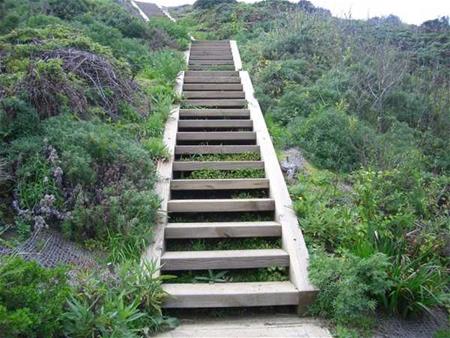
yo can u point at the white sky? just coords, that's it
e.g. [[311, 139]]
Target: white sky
[[410, 11]]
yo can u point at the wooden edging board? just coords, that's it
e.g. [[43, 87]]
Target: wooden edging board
[[292, 238], [164, 173]]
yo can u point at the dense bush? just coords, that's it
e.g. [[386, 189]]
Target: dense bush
[[334, 140], [127, 305], [205, 4], [84, 102], [348, 286], [32, 299]]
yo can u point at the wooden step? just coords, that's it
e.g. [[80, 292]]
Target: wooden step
[[220, 184], [212, 86], [212, 67], [216, 149], [214, 95], [222, 230], [223, 259], [212, 79], [211, 57], [216, 102], [215, 124], [184, 295], [223, 53], [216, 165], [216, 136], [203, 73], [210, 43], [221, 205], [211, 48], [214, 113], [211, 62]]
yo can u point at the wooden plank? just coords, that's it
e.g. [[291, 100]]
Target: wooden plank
[[221, 205], [214, 113], [162, 187], [214, 95], [216, 136], [184, 295], [211, 62], [212, 86], [211, 48], [211, 57], [203, 73], [211, 67], [219, 149], [272, 324], [215, 124], [236, 55], [212, 79], [216, 102], [202, 51], [292, 239], [222, 230], [220, 184], [216, 165], [223, 259]]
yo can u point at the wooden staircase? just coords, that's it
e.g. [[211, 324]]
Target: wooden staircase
[[219, 115]]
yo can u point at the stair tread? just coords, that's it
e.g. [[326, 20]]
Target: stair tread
[[223, 259], [219, 184], [186, 295], [215, 149], [215, 123], [217, 165], [221, 205], [215, 135], [222, 229]]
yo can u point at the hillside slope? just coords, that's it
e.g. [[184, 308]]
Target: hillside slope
[[85, 89]]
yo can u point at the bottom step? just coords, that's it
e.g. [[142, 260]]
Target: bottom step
[[230, 295]]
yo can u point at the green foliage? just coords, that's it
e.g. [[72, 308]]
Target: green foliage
[[67, 9], [223, 174], [176, 31], [126, 306], [270, 274], [222, 157], [32, 299], [205, 4], [334, 140], [223, 244], [347, 286], [401, 215]]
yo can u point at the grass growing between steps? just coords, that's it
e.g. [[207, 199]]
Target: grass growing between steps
[[222, 244], [222, 217], [223, 174], [270, 274], [220, 194], [246, 156]]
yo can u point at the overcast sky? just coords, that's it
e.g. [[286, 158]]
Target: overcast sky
[[410, 11]]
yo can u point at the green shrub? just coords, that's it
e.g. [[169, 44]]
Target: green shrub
[[126, 306], [176, 31], [17, 118], [334, 140], [32, 299], [348, 286], [67, 9], [205, 4]]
